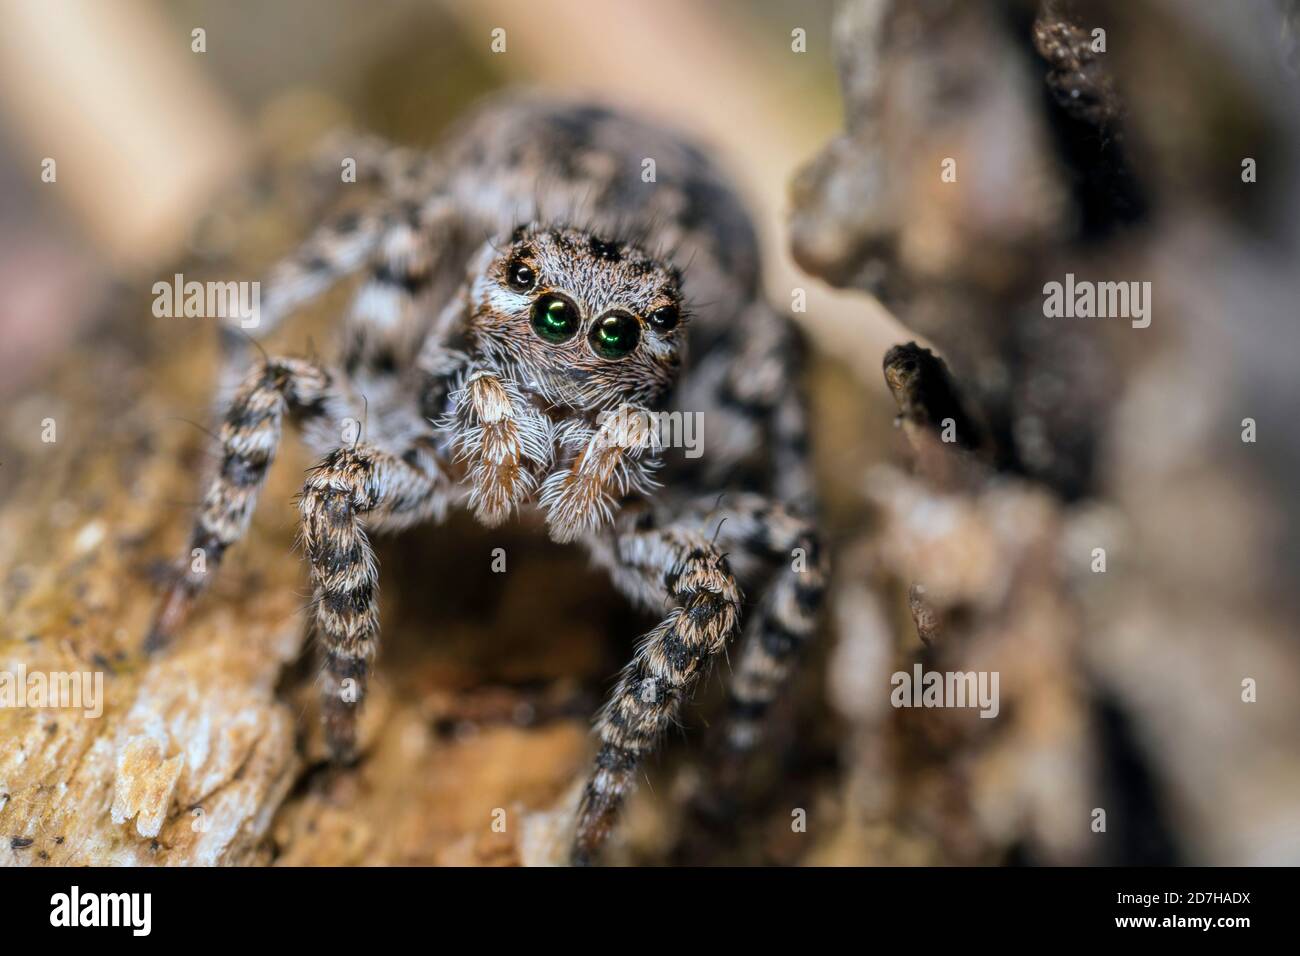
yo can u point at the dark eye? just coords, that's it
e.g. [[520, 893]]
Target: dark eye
[[519, 275], [615, 335], [555, 318], [664, 318]]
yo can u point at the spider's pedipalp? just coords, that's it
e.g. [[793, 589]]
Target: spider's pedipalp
[[503, 441], [609, 461]]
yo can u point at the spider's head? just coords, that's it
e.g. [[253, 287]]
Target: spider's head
[[577, 319]]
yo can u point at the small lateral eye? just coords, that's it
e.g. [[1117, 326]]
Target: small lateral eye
[[615, 335], [664, 318], [520, 275]]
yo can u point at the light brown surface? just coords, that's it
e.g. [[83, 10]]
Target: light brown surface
[[197, 751]]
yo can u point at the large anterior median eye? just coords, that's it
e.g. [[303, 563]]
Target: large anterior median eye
[[615, 335], [555, 318]]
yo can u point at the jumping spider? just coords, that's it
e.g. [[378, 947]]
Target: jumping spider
[[507, 367]]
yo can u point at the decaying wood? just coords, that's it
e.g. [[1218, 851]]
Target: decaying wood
[[1127, 672], [208, 753]]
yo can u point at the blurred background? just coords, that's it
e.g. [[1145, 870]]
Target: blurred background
[[1163, 690], [147, 133]]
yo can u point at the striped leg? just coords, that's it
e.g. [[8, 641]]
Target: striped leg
[[250, 435], [680, 563], [386, 323], [350, 489], [395, 242], [757, 418], [337, 249], [394, 169], [763, 386], [786, 616]]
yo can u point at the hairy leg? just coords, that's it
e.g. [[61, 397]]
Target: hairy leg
[[789, 547], [755, 421], [250, 435], [777, 554], [759, 397], [680, 564], [396, 241], [390, 316], [353, 488], [394, 169], [338, 248]]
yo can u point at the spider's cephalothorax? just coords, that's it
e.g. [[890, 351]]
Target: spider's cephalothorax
[[507, 367], [589, 323], [573, 339]]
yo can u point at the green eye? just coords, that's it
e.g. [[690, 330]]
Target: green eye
[[555, 318], [615, 335]]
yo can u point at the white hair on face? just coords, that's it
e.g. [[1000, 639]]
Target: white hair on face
[[599, 276]]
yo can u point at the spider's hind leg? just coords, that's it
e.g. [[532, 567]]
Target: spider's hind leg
[[788, 548]]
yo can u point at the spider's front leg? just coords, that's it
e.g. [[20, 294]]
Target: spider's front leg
[[250, 435], [679, 563], [350, 489], [617, 456]]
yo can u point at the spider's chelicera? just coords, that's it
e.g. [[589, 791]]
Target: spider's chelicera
[[519, 371]]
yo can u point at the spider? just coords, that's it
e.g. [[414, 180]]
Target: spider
[[525, 311]]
